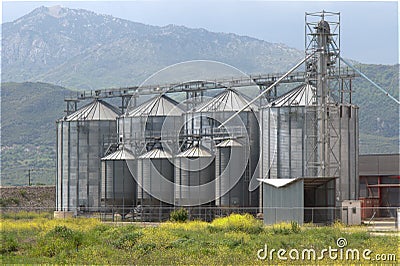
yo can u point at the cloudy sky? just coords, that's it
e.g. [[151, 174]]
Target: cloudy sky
[[369, 30]]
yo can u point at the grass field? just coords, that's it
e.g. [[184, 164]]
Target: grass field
[[235, 240]]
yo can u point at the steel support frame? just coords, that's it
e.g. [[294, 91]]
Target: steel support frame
[[323, 72]]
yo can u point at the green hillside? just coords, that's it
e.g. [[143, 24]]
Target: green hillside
[[28, 115], [379, 115]]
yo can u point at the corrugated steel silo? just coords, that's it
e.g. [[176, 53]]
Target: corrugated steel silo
[[82, 138], [143, 124], [290, 147], [155, 178], [194, 173], [155, 175], [231, 187], [244, 127], [285, 147], [347, 186], [118, 185]]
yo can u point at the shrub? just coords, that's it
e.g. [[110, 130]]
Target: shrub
[[101, 228], [61, 231], [127, 241], [123, 237], [146, 247], [238, 222], [59, 239], [7, 202], [180, 215], [157, 237], [23, 193], [8, 244], [235, 239], [282, 228], [338, 225], [286, 228], [295, 227]]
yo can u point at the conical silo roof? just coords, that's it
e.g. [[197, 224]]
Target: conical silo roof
[[96, 110], [229, 143], [195, 152], [121, 154], [300, 96], [227, 101], [158, 106], [156, 154]]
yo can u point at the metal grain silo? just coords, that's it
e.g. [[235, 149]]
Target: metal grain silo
[[155, 178], [347, 186], [194, 173], [284, 141], [245, 127], [82, 138], [231, 187], [141, 126], [291, 142], [155, 175], [215, 111], [118, 185]]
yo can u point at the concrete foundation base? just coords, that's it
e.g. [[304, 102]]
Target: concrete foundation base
[[63, 214]]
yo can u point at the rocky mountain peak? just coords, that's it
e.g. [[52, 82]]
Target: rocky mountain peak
[[61, 46], [56, 11], [43, 12]]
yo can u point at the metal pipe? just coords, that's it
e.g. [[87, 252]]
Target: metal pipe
[[267, 90]]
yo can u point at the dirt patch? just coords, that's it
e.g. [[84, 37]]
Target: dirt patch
[[28, 198]]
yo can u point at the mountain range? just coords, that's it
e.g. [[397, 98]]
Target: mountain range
[[81, 49], [52, 51]]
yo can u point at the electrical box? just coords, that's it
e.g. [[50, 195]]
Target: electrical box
[[351, 212]]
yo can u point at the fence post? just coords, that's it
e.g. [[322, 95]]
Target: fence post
[[312, 214]]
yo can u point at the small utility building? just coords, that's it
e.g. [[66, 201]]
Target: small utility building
[[283, 200]]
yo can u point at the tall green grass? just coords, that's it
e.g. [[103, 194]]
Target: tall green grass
[[232, 240], [26, 215]]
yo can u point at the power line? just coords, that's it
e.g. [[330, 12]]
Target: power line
[[367, 78]]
